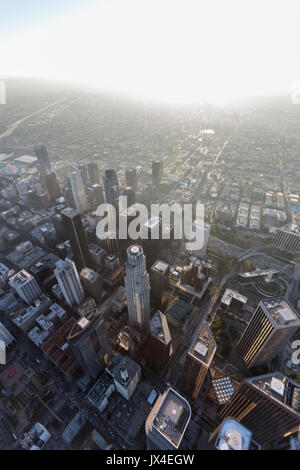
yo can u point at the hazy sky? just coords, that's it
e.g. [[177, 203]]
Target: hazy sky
[[172, 50]]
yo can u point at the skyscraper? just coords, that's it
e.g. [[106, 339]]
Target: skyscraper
[[198, 360], [92, 283], [157, 172], [69, 198], [167, 421], [95, 195], [111, 186], [25, 286], [160, 341], [75, 233], [271, 326], [93, 173], [43, 159], [287, 239], [267, 405], [69, 282], [137, 288], [131, 179], [52, 185], [78, 190], [89, 343], [159, 280], [84, 174], [130, 194]]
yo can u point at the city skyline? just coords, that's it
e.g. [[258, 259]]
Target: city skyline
[[149, 229]]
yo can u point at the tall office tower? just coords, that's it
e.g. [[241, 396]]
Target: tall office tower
[[99, 192], [43, 159], [137, 288], [91, 283], [68, 195], [111, 187], [93, 173], [57, 220], [95, 196], [160, 341], [287, 239], [267, 405], [108, 241], [159, 281], [52, 185], [78, 191], [152, 245], [130, 194], [89, 343], [25, 286], [69, 282], [271, 326], [167, 421], [131, 179], [198, 360], [97, 254], [84, 174], [75, 233], [157, 172]]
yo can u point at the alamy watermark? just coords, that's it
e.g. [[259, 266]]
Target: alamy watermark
[[2, 92], [2, 353], [163, 221]]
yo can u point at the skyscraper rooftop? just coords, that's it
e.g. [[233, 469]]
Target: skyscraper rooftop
[[281, 312], [279, 387], [159, 327], [203, 346], [233, 436], [172, 417]]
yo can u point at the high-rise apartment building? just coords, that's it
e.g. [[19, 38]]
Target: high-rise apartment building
[[78, 191], [68, 280], [198, 360], [271, 326], [75, 233], [267, 405], [137, 288], [167, 421], [25, 286]]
